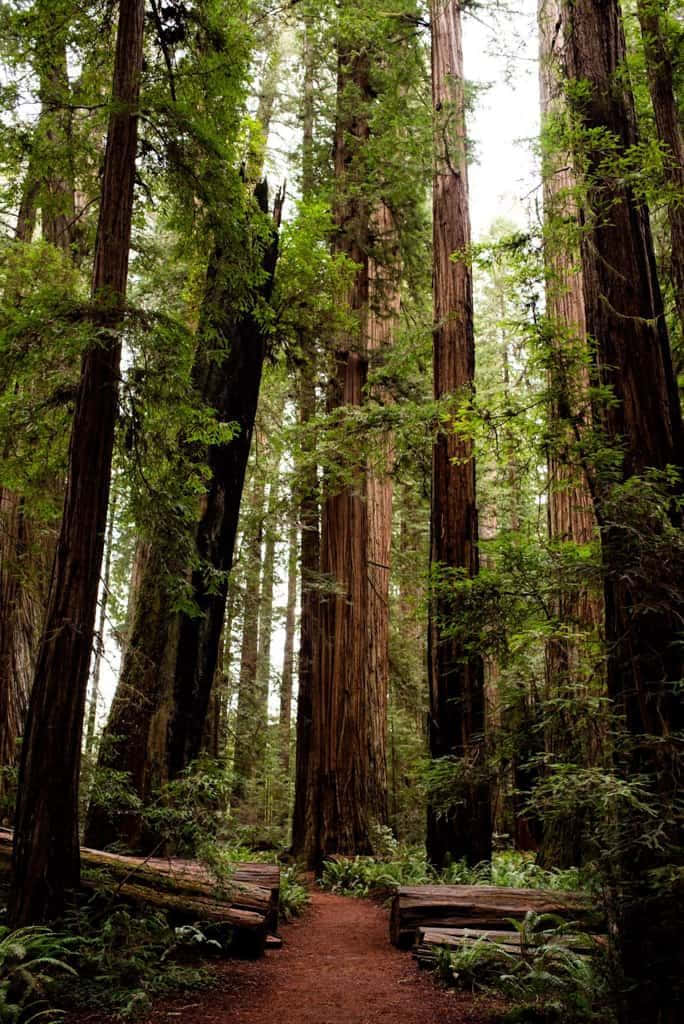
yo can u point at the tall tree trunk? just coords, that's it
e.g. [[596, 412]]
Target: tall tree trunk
[[165, 685], [46, 848], [457, 700], [643, 423], [659, 67], [248, 716], [347, 763], [287, 677], [309, 511], [100, 636], [571, 668], [268, 575]]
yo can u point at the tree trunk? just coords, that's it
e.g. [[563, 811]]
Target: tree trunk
[[100, 636], [643, 424], [162, 700], [571, 671], [309, 510], [347, 765], [457, 701], [268, 573], [231, 387], [288, 660], [249, 707], [46, 851], [659, 67]]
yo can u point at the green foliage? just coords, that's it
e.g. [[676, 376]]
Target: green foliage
[[31, 961], [126, 959], [378, 878], [294, 895], [549, 982]]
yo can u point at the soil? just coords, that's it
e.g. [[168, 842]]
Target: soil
[[336, 967]]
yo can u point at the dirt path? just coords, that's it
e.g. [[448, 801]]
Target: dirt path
[[336, 967]]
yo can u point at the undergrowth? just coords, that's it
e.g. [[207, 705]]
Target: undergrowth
[[550, 982], [371, 876]]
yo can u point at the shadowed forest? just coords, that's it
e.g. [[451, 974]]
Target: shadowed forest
[[341, 547]]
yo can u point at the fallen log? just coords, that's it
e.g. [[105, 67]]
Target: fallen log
[[510, 943], [237, 909], [479, 906]]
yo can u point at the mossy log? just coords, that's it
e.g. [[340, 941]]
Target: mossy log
[[246, 903]]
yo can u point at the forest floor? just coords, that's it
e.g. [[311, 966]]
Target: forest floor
[[336, 967]]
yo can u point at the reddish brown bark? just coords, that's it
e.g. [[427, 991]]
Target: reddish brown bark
[[309, 511], [347, 788], [457, 702], [46, 851], [631, 354], [572, 669]]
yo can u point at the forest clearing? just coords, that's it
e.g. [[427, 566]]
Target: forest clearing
[[341, 522]]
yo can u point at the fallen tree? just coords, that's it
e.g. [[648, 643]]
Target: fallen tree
[[243, 908], [480, 907], [510, 943]]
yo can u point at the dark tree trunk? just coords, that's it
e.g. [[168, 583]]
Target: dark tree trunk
[[134, 738], [162, 700], [659, 66], [457, 701], [572, 673], [309, 514], [309, 510], [631, 354], [230, 386], [46, 851]]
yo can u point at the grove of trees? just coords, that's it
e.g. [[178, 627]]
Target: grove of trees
[[322, 520]]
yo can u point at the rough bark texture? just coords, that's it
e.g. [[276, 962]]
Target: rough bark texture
[[347, 788], [309, 511], [571, 674], [46, 852], [457, 702], [632, 357], [659, 67]]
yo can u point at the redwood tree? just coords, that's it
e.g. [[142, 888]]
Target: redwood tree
[[640, 430], [456, 675], [570, 669], [347, 787], [46, 850]]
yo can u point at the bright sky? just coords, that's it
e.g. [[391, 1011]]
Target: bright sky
[[506, 116]]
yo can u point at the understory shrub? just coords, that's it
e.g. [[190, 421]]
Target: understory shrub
[[371, 876], [550, 982]]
